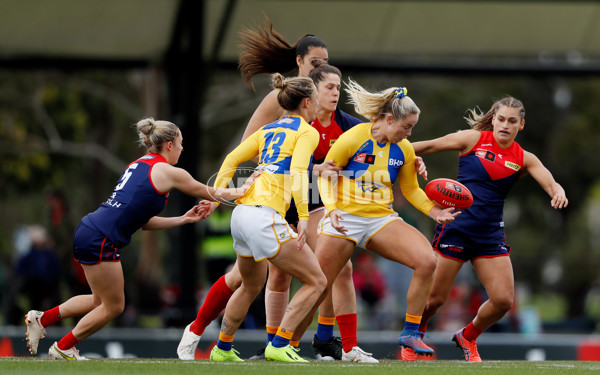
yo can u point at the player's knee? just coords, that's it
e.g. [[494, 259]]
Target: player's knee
[[96, 301], [346, 272], [320, 283], [426, 266], [435, 302], [233, 280], [279, 280], [252, 289], [503, 303], [115, 308]]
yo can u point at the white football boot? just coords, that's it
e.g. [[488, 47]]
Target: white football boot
[[188, 344], [35, 330]]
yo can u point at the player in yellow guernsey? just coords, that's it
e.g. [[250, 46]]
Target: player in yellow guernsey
[[285, 148], [258, 226], [358, 201], [370, 168]]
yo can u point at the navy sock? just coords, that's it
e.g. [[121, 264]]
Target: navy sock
[[324, 332], [224, 345], [280, 342], [411, 326]]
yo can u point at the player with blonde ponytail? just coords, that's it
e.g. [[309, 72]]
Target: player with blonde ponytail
[[140, 195], [358, 201]]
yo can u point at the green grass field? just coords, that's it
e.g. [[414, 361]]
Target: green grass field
[[45, 366]]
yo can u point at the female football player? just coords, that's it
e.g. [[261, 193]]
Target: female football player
[[373, 156], [140, 194], [490, 162], [266, 51], [258, 225]]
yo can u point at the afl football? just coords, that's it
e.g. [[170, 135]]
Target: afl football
[[446, 192]]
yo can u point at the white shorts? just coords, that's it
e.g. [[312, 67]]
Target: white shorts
[[259, 231], [360, 229]]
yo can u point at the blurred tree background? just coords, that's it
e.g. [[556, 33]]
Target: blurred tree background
[[72, 133]]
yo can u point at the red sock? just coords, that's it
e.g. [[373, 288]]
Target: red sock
[[423, 327], [50, 317], [471, 333], [347, 325], [67, 342], [215, 302]]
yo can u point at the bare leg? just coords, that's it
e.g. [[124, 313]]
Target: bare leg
[[445, 273], [253, 276], [278, 282], [344, 295], [233, 279], [276, 296], [107, 284], [78, 305], [496, 275], [331, 263], [302, 265], [402, 243]]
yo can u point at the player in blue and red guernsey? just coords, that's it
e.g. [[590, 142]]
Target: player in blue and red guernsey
[[140, 194], [490, 163]]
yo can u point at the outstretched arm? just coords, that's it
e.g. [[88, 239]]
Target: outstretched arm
[[194, 215], [166, 177], [542, 175], [461, 141], [409, 185]]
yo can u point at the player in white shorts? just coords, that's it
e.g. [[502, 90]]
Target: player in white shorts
[[359, 229], [259, 231], [358, 201], [258, 226]]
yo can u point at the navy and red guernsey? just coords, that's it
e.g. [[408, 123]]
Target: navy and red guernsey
[[340, 122], [489, 172], [132, 203]]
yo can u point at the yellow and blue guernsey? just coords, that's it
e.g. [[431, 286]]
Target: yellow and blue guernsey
[[285, 148], [370, 168]]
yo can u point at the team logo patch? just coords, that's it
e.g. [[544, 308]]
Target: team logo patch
[[331, 142], [368, 186], [458, 249], [485, 154], [511, 165], [365, 158]]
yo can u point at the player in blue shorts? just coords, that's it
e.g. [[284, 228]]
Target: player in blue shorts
[[490, 163], [140, 194]]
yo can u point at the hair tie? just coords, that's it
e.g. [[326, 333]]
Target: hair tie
[[401, 92]]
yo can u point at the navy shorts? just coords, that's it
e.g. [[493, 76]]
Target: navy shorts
[[457, 245], [91, 246], [314, 202]]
